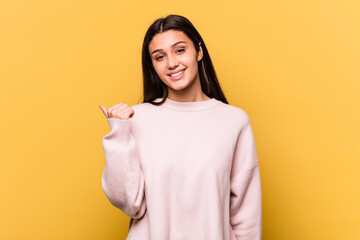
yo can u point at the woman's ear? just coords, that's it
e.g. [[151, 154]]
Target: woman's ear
[[200, 52]]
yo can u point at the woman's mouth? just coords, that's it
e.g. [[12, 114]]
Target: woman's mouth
[[178, 75]]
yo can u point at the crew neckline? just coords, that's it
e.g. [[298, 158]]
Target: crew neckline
[[188, 106]]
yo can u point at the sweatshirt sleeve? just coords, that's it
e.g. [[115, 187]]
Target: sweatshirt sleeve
[[122, 179], [245, 187]]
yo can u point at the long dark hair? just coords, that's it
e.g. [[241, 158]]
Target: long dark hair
[[153, 86]]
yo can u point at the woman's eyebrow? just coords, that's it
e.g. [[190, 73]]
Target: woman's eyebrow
[[171, 46]]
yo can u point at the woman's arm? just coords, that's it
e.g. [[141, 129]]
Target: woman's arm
[[245, 196], [122, 179]]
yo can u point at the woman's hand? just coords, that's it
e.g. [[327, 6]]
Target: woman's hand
[[120, 110]]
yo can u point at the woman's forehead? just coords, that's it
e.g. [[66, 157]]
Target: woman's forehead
[[167, 39]]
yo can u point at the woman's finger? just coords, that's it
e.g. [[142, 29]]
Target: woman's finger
[[117, 107], [132, 113], [122, 113], [104, 110]]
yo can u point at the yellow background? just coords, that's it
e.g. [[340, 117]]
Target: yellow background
[[293, 66]]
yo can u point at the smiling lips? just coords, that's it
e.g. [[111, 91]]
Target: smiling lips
[[177, 75]]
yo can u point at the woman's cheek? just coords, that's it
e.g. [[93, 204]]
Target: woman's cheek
[[157, 69]]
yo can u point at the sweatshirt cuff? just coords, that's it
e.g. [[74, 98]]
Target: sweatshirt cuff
[[115, 123]]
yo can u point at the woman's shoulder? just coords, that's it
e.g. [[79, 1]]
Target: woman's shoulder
[[235, 112], [141, 107]]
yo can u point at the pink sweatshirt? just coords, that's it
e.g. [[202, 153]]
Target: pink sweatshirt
[[185, 171]]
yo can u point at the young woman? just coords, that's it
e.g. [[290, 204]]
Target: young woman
[[182, 164]]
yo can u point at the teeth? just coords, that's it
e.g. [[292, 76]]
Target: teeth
[[177, 74]]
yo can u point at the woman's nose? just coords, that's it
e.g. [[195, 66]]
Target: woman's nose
[[172, 61]]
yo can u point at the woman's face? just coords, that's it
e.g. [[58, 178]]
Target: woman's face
[[175, 60]]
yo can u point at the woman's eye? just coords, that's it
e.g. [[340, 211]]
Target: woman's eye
[[181, 50], [158, 58]]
